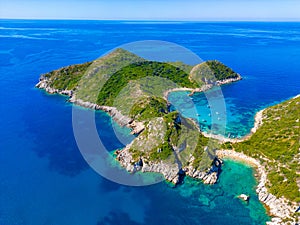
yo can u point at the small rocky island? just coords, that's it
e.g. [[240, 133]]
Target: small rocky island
[[134, 92]]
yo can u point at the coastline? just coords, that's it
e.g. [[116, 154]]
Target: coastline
[[258, 121], [122, 120], [279, 209], [203, 88], [124, 157]]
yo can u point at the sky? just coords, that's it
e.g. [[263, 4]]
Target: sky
[[194, 10]]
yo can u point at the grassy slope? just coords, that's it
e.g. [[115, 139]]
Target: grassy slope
[[101, 70], [67, 78], [102, 80], [137, 71], [136, 88], [148, 107], [277, 144], [169, 135], [211, 71]]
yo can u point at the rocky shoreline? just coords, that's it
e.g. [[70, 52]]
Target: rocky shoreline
[[172, 172], [279, 208], [229, 80], [44, 84], [258, 121], [204, 87], [122, 120], [169, 171]]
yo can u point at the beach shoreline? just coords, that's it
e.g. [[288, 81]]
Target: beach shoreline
[[278, 208]]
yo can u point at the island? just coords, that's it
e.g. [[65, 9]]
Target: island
[[134, 92]]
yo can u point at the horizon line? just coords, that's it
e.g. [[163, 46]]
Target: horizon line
[[158, 20]]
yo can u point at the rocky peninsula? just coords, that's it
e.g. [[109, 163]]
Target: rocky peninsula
[[172, 169], [170, 144]]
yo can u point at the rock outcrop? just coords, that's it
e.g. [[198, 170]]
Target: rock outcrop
[[244, 197], [44, 84], [208, 177], [258, 121], [280, 208], [229, 80], [122, 120], [170, 171]]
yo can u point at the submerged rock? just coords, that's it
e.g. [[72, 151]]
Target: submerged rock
[[244, 197]]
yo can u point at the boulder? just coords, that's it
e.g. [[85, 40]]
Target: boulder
[[244, 197]]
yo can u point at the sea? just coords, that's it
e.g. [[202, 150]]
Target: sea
[[44, 179]]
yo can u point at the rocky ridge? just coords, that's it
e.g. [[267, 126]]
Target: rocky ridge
[[172, 172], [169, 171], [228, 80]]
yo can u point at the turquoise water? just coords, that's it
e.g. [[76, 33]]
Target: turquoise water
[[219, 115], [237, 179], [43, 177]]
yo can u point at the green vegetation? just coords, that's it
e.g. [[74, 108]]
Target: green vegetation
[[139, 70], [200, 153], [172, 130], [186, 68], [221, 72], [174, 135], [276, 143], [149, 107], [150, 144], [211, 71], [100, 71], [136, 88], [102, 80], [67, 78], [163, 151]]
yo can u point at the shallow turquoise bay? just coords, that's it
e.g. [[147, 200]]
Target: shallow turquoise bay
[[237, 178]]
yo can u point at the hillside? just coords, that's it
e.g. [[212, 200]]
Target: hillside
[[132, 88], [138, 71], [66, 78], [171, 145], [212, 72], [277, 145], [122, 79], [133, 91]]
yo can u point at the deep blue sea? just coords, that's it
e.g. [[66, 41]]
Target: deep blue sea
[[43, 177]]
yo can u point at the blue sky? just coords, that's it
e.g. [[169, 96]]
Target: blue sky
[[263, 10]]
